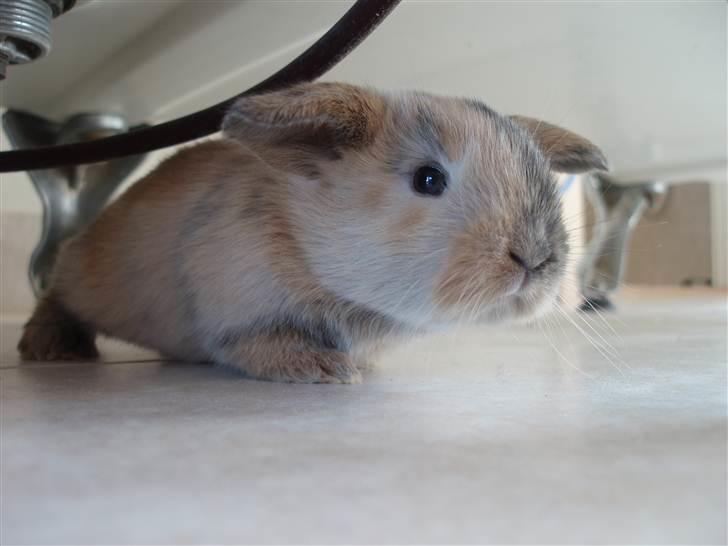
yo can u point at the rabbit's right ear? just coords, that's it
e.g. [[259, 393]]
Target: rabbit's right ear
[[567, 151], [305, 123]]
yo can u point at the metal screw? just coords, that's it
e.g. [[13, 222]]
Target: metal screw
[[25, 29]]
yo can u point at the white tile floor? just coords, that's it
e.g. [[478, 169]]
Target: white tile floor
[[484, 436]]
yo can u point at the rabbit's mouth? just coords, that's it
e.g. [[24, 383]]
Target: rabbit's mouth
[[519, 294], [499, 290], [518, 307]]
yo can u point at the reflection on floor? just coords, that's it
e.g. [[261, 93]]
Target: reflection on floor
[[488, 435]]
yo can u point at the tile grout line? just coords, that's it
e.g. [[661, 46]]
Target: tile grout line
[[79, 363]]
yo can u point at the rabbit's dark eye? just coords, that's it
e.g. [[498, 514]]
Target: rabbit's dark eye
[[429, 181]]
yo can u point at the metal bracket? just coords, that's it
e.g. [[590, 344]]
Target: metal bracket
[[72, 196], [617, 208]]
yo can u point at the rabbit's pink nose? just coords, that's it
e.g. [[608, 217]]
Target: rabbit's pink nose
[[520, 261], [529, 267]]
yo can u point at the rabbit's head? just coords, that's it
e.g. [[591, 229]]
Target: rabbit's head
[[428, 209]]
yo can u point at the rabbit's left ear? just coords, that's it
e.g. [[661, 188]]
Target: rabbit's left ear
[[314, 118], [567, 151]]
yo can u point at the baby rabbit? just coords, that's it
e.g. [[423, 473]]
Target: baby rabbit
[[329, 219]]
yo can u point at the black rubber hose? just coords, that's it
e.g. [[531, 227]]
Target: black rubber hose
[[355, 25]]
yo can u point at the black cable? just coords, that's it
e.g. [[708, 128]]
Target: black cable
[[355, 25]]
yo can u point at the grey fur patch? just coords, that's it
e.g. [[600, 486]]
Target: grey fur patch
[[315, 330], [481, 107], [202, 215], [366, 324], [428, 132]]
